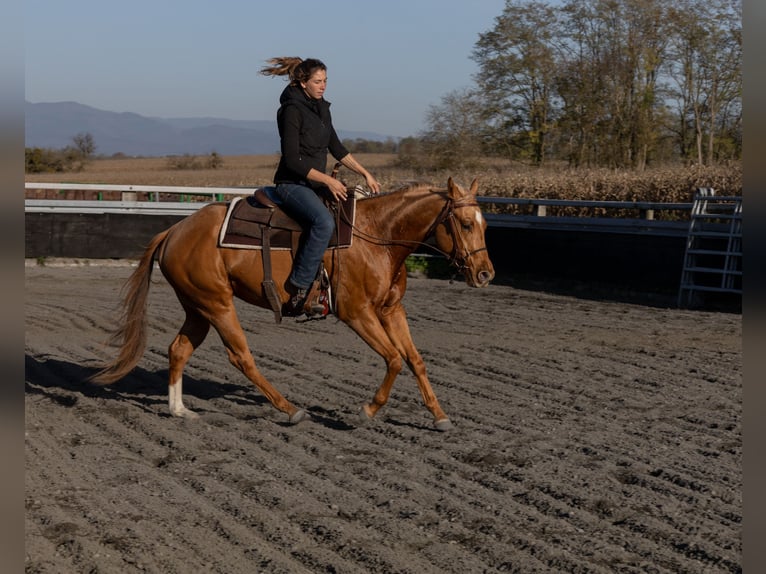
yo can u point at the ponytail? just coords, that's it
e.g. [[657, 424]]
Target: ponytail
[[297, 69]]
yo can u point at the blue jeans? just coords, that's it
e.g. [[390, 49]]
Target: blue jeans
[[305, 206]]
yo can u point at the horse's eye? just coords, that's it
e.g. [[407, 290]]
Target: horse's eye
[[466, 226]]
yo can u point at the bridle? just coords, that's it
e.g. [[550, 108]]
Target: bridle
[[447, 216], [459, 255]]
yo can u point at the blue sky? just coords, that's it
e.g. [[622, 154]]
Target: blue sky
[[388, 61]]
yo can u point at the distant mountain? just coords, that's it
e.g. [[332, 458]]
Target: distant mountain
[[53, 125]]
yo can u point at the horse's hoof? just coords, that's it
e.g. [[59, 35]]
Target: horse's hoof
[[443, 425], [298, 416], [364, 415], [185, 414]]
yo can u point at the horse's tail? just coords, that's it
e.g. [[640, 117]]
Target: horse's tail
[[131, 336]]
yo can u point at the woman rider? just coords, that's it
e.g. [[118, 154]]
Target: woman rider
[[307, 134]]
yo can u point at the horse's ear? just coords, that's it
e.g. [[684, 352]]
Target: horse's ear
[[474, 186], [453, 190]]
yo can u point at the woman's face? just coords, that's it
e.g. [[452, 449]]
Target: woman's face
[[316, 84]]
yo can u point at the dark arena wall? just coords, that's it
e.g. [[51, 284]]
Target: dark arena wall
[[640, 262]]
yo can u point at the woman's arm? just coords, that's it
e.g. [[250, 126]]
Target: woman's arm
[[339, 152], [351, 163], [337, 188]]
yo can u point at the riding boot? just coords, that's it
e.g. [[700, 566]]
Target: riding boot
[[297, 305]]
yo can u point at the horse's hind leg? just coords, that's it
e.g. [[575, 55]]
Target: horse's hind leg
[[233, 337], [191, 335]]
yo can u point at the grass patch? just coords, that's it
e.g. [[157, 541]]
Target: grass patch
[[430, 266]]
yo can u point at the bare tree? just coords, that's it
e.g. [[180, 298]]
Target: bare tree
[[453, 135], [84, 144]]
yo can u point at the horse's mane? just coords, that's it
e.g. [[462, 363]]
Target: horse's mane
[[408, 185], [404, 188]]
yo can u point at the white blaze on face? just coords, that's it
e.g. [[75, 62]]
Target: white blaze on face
[[479, 217]]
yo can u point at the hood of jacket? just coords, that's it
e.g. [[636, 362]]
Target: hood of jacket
[[295, 95]]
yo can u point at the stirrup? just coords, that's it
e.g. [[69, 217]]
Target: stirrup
[[314, 302], [320, 303], [315, 309]]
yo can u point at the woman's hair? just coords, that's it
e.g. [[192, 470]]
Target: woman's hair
[[297, 69]]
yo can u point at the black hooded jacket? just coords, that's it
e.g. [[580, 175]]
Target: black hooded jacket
[[307, 134]]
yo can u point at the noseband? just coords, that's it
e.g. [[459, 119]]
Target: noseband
[[447, 216]]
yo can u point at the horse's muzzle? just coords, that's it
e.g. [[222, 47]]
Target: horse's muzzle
[[479, 278], [484, 277]]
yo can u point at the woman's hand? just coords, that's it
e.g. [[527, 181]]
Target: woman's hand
[[372, 184], [337, 188], [350, 162]]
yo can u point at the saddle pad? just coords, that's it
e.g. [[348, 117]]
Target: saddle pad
[[245, 221]]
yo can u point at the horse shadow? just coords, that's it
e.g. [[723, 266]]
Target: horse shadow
[[62, 382]]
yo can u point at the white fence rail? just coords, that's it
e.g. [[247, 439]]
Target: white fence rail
[[644, 223], [129, 190], [129, 203], [99, 207]]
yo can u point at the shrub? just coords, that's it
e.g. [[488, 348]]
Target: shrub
[[42, 160], [214, 160], [71, 158], [186, 161]]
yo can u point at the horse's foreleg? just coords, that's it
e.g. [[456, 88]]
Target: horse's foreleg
[[398, 330], [390, 338], [234, 340], [393, 368], [191, 335]]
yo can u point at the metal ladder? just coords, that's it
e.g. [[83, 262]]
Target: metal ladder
[[713, 257]]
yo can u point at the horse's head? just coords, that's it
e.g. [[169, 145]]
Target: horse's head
[[460, 234]]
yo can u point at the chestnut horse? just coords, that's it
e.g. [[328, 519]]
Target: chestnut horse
[[368, 280]]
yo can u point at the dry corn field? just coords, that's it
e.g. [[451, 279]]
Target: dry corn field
[[497, 179]]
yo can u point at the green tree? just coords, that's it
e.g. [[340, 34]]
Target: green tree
[[610, 82], [612, 57], [517, 74], [705, 86]]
